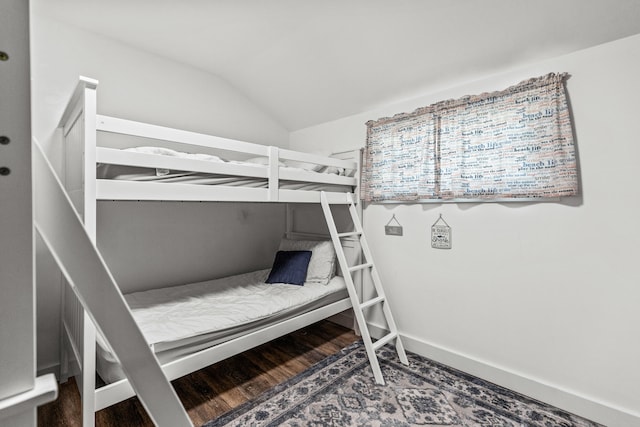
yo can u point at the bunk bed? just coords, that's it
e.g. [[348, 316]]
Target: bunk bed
[[204, 168]]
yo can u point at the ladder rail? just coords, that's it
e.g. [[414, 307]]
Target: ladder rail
[[372, 302], [384, 340], [355, 301], [360, 267], [377, 282], [380, 298], [349, 234]]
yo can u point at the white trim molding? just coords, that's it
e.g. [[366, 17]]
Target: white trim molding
[[45, 390]]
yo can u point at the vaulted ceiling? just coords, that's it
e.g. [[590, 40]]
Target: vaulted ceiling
[[306, 62]]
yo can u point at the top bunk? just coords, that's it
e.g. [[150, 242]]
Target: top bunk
[[165, 164]]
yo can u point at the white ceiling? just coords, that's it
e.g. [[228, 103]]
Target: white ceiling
[[310, 61]]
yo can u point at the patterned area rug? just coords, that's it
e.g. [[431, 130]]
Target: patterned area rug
[[341, 391]]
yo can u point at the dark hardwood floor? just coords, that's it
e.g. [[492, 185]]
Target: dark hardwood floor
[[210, 392]]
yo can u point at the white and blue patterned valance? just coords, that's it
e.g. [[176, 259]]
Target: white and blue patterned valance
[[513, 144]]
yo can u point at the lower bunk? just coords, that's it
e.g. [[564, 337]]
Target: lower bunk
[[192, 326]]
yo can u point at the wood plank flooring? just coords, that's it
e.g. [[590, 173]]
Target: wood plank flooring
[[210, 392]]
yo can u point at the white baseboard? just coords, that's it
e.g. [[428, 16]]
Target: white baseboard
[[554, 395], [54, 369]]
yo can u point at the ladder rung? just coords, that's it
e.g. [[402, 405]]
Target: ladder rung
[[361, 266], [350, 234], [371, 302], [385, 339]]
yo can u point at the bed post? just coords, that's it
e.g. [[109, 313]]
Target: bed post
[[89, 333], [274, 184], [78, 125]]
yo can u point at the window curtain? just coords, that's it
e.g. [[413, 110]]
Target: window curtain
[[512, 144]]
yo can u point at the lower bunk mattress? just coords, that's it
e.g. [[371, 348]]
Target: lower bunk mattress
[[181, 320]]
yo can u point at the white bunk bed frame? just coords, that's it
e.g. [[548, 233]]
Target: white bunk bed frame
[[79, 126]]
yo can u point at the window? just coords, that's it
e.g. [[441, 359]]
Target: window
[[512, 144]]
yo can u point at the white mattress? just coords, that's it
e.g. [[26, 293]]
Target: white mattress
[[183, 319]]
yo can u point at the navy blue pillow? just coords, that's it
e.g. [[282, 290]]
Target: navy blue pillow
[[290, 267]]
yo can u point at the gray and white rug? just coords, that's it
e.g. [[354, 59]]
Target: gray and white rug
[[341, 391]]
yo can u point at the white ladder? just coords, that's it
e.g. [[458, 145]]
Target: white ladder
[[380, 298]]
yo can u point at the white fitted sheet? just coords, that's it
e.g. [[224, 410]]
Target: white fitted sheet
[[183, 319]]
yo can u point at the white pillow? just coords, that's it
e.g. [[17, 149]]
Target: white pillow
[[322, 266]]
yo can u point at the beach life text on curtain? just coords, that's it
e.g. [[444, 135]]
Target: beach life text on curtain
[[513, 144]]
